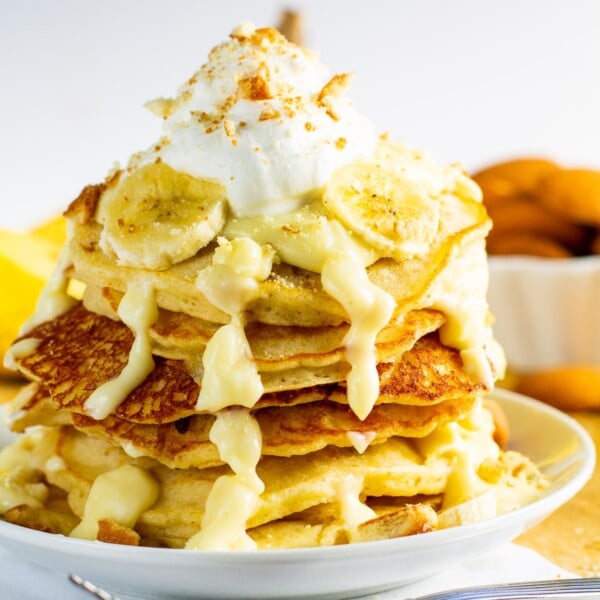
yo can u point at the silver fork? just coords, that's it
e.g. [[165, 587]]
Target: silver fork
[[552, 588], [92, 588]]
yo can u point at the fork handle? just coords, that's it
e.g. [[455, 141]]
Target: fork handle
[[553, 588]]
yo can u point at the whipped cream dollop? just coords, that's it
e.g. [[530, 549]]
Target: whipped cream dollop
[[266, 119]]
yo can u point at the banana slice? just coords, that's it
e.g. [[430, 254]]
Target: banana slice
[[390, 213], [420, 168], [158, 216]]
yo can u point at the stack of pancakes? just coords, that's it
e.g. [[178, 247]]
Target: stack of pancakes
[[313, 444], [310, 378]]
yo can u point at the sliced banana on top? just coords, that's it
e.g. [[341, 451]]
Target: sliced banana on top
[[418, 166], [158, 216], [390, 213]]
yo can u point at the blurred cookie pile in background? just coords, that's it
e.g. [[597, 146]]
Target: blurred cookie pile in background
[[546, 309], [540, 208]]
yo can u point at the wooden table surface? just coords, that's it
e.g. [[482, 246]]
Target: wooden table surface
[[570, 537]]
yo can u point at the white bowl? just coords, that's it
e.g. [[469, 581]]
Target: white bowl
[[547, 310]]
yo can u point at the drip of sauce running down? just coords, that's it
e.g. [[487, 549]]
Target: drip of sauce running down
[[460, 293], [120, 495], [352, 511], [361, 441], [369, 309], [233, 499], [53, 300], [467, 443], [230, 377], [18, 350], [310, 240], [138, 311]]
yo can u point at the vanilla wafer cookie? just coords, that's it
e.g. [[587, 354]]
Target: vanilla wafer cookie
[[573, 194]]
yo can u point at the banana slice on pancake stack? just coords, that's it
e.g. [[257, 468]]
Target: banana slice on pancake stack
[[284, 337], [157, 217], [388, 212]]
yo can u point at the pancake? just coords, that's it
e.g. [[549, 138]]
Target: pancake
[[299, 531], [79, 351], [391, 476], [290, 296], [274, 348], [292, 484], [292, 431], [33, 406], [285, 432], [294, 531]]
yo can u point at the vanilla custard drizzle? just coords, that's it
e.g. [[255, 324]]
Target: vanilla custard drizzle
[[370, 309], [138, 310], [230, 377], [353, 512], [233, 499], [53, 300], [467, 443], [309, 240], [120, 495], [18, 350]]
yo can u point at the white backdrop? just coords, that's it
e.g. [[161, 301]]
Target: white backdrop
[[470, 80]]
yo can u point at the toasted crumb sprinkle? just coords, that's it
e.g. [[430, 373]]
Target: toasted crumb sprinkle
[[247, 34], [268, 114], [161, 107], [292, 106], [309, 126], [334, 88], [227, 104], [229, 127], [84, 206], [328, 104], [243, 31], [256, 87]]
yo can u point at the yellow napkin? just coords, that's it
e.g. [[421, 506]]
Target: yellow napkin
[[26, 262]]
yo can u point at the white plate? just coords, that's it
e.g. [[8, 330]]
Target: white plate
[[553, 440]]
